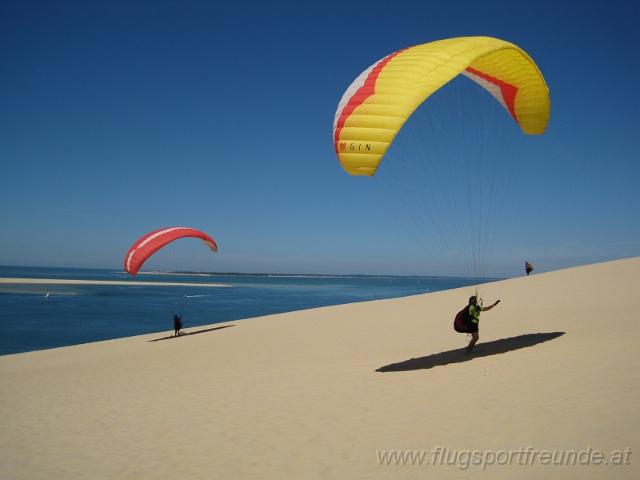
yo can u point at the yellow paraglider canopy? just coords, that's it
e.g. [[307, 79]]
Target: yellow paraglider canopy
[[383, 97]]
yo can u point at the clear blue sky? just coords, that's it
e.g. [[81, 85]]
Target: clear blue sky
[[117, 118]]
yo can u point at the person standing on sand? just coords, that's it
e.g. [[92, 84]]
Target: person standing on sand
[[177, 325], [468, 319], [528, 267]]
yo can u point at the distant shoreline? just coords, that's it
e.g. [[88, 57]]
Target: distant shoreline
[[176, 274], [314, 275], [58, 281]]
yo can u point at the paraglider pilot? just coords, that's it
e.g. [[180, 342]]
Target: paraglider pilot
[[528, 267], [177, 325], [468, 319]]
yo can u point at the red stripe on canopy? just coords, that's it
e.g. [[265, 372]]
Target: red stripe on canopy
[[367, 89], [508, 91]]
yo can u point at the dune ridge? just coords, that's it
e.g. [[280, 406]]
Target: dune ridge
[[321, 393]]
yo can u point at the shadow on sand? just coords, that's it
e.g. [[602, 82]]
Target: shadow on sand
[[192, 333], [481, 350]]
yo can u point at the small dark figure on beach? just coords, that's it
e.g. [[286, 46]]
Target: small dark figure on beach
[[468, 319], [528, 267], [177, 325]]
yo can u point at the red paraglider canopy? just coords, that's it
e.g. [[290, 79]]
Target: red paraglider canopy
[[150, 243]]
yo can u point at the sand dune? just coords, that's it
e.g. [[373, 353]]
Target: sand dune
[[320, 393]]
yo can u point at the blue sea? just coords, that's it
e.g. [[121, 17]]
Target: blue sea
[[34, 317]]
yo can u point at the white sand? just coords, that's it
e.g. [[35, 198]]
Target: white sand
[[298, 395]]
